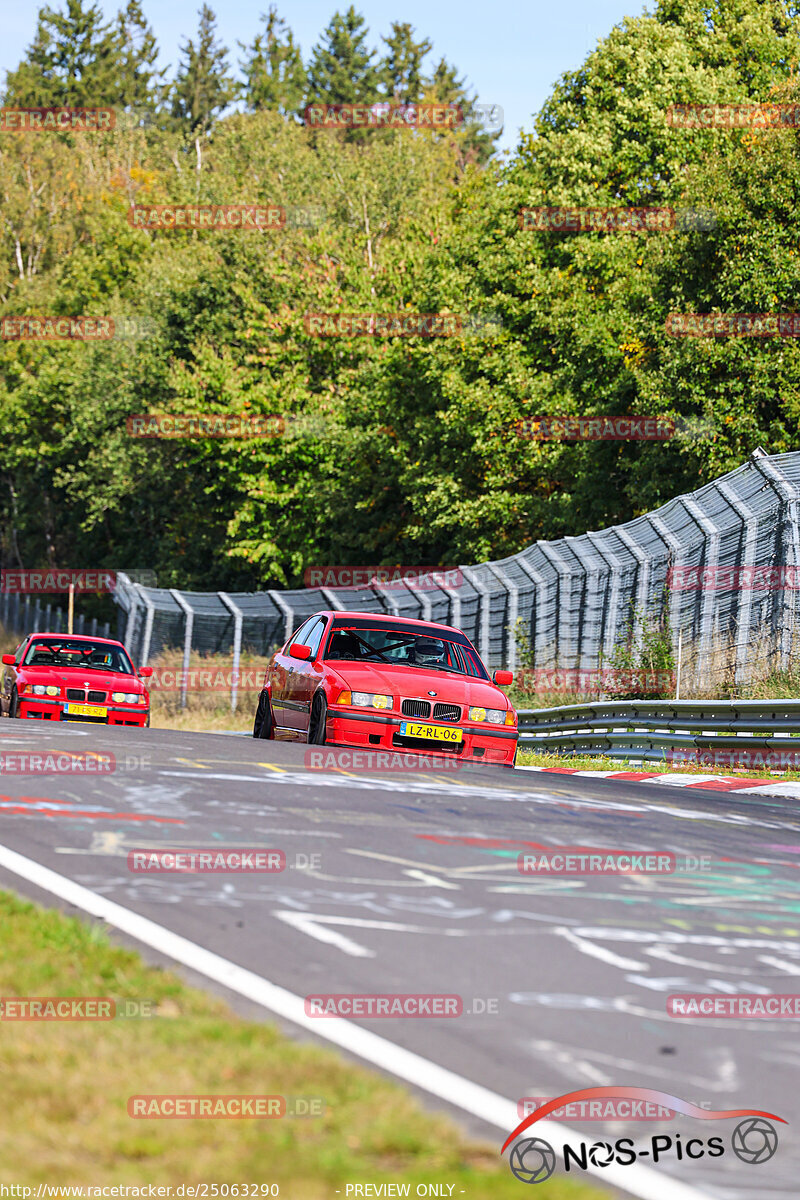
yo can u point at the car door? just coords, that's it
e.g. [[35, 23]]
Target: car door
[[306, 676], [10, 675], [281, 675]]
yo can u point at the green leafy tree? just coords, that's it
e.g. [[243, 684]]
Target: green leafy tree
[[273, 68]]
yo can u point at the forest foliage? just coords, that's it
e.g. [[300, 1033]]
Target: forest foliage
[[395, 449]]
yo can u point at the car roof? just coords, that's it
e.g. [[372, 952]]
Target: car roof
[[76, 637], [388, 617]]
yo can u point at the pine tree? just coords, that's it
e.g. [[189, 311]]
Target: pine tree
[[140, 84], [341, 70], [203, 86], [447, 88], [401, 68], [274, 71], [72, 61]]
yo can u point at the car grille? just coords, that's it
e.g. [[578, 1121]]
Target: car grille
[[416, 708], [93, 697], [447, 712]]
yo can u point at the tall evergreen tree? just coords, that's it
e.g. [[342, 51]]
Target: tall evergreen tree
[[401, 68], [140, 83], [341, 69], [447, 88], [273, 69], [71, 61], [203, 86]]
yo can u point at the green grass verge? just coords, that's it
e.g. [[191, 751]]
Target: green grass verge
[[66, 1086], [585, 762]]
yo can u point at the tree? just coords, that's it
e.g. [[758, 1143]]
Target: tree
[[273, 69], [400, 70], [447, 88], [140, 84], [203, 86], [71, 61], [341, 69]]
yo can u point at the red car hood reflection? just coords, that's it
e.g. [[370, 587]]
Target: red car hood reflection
[[416, 682]]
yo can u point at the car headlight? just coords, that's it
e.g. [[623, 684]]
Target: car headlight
[[125, 697], [495, 716], [52, 691], [39, 689], [364, 699]]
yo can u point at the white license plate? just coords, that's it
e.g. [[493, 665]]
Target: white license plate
[[85, 710], [433, 733]]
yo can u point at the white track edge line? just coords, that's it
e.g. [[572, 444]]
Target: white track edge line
[[636, 1180]]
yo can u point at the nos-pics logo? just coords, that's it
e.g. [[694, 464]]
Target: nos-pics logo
[[533, 1159]]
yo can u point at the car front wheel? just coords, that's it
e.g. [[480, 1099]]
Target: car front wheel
[[13, 707], [262, 725], [318, 721]]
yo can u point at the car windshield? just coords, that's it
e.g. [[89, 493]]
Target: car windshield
[[402, 647], [82, 653]]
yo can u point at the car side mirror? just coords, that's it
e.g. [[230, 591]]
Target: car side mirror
[[298, 650], [503, 678], [8, 660], [145, 672]]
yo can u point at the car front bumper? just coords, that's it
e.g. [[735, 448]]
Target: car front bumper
[[49, 708], [367, 730]]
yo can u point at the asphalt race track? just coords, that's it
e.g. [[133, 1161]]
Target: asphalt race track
[[408, 883]]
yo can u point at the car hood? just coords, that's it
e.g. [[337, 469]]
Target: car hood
[[106, 681], [416, 682]]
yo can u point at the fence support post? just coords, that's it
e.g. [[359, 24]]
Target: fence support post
[[237, 643], [187, 640]]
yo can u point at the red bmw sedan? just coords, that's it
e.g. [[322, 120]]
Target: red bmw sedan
[[357, 679], [58, 677]]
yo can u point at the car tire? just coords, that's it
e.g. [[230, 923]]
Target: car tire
[[262, 723], [13, 704], [318, 720]]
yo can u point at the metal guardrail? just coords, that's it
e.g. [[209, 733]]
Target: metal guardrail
[[721, 563], [655, 730]]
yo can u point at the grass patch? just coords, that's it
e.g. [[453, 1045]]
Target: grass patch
[[599, 762], [66, 1086]]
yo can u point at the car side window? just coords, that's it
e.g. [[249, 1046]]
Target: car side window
[[314, 637], [299, 634], [19, 652]]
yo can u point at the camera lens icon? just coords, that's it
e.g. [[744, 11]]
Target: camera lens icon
[[532, 1161], [754, 1140]]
